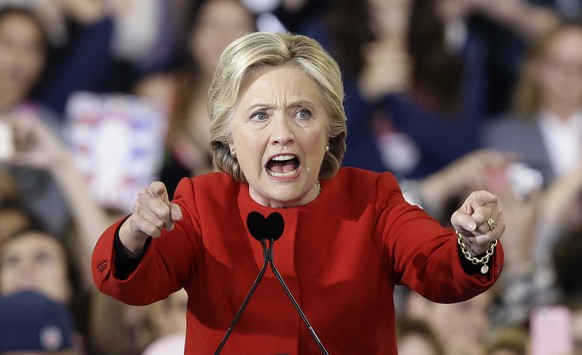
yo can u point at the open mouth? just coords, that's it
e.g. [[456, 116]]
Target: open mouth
[[283, 166]]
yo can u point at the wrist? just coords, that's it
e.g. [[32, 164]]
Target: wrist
[[131, 245], [481, 260]]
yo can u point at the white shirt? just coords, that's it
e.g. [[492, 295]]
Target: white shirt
[[563, 140]]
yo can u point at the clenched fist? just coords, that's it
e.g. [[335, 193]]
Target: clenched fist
[[152, 212]]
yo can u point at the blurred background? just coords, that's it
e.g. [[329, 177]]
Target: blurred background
[[98, 98]]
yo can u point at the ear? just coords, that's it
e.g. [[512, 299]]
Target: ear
[[231, 148]]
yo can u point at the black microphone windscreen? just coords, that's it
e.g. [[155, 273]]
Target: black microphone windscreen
[[276, 225], [257, 225]]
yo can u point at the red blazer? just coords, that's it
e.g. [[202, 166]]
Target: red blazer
[[340, 255]]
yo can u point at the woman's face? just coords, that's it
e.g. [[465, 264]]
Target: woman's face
[[559, 71], [467, 321], [21, 57], [34, 261], [220, 22], [279, 132]]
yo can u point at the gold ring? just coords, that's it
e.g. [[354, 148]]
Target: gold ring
[[492, 224]]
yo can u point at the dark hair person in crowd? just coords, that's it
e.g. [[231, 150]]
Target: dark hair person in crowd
[[278, 130], [216, 23]]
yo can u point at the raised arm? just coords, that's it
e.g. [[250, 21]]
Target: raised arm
[[150, 254], [36, 146]]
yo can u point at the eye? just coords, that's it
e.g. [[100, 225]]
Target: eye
[[259, 116], [9, 261], [304, 114], [43, 258]]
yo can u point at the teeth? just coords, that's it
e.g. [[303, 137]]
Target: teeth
[[282, 175], [283, 157]]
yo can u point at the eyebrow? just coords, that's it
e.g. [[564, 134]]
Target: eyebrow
[[295, 103]]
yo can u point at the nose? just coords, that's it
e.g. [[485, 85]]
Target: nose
[[282, 131], [24, 272], [26, 268]]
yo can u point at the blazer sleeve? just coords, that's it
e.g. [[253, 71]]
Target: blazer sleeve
[[422, 254], [167, 264]]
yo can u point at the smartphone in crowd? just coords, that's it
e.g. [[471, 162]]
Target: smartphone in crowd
[[551, 331], [524, 179]]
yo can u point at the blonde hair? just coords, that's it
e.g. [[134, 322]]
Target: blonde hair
[[527, 100], [260, 49]]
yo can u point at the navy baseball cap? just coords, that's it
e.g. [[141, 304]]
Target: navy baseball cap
[[30, 321]]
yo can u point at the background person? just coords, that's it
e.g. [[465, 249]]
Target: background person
[[183, 93], [32, 323]]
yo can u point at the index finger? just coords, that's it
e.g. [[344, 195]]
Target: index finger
[[157, 188], [478, 199]]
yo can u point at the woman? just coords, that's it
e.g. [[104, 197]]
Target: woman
[[38, 260], [412, 109], [183, 94], [34, 260], [23, 52], [24, 45], [31, 259], [546, 123], [278, 136]]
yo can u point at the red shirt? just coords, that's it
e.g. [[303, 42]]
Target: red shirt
[[340, 255]]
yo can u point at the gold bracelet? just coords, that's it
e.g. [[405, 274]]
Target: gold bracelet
[[484, 260]]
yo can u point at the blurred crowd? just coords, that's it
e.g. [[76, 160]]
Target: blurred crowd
[[100, 97]]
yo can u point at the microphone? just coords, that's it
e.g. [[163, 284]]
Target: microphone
[[261, 229], [276, 226], [258, 227]]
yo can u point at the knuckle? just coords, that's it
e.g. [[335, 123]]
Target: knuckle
[[159, 224], [150, 230], [141, 227], [142, 195], [138, 206], [162, 211], [138, 224]]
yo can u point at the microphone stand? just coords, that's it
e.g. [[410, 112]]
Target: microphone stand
[[247, 298], [260, 227], [271, 256]]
